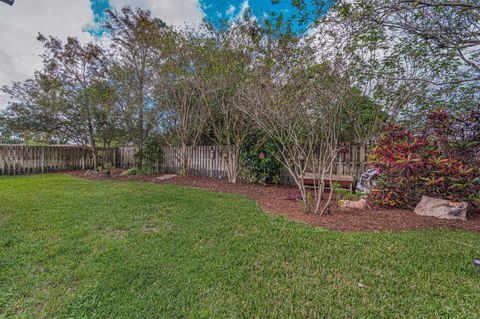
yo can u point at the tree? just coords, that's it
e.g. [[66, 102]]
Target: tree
[[64, 98], [135, 42], [408, 55], [32, 113], [108, 117], [178, 93], [300, 104], [226, 64]]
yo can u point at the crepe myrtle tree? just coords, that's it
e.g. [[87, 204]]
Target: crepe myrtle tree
[[183, 115], [299, 105], [225, 63]]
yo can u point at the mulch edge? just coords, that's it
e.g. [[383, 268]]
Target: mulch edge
[[372, 220]]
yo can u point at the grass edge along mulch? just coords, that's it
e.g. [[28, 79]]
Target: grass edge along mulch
[[274, 199]]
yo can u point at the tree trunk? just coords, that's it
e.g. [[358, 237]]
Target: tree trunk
[[93, 146], [141, 118], [184, 159], [233, 162]]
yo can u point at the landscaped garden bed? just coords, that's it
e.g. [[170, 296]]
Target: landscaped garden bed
[[275, 199]]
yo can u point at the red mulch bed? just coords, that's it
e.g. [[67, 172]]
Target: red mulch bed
[[274, 199]]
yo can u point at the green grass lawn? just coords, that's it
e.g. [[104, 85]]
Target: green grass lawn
[[74, 248]]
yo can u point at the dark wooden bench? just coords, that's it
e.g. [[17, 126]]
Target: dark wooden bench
[[313, 180]]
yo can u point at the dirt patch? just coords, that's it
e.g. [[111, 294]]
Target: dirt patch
[[149, 229], [117, 233], [275, 199], [3, 219]]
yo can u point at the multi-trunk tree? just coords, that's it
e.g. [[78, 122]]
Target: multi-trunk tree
[[182, 118], [226, 63], [299, 104]]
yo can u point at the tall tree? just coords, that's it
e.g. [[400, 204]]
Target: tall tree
[[135, 42], [70, 98], [72, 70], [183, 115], [225, 68]]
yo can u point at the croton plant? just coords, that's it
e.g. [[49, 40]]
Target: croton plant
[[442, 161]]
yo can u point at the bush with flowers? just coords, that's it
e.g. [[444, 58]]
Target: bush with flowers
[[259, 164]]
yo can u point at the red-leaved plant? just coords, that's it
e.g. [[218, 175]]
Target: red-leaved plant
[[442, 162]]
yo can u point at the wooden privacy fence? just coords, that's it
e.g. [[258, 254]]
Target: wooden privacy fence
[[22, 159], [210, 160], [126, 157], [205, 160]]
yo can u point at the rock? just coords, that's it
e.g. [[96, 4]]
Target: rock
[[91, 173], [476, 262], [165, 177], [441, 208], [357, 205]]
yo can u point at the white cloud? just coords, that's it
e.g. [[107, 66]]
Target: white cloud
[[241, 11], [244, 7], [230, 10], [176, 12], [19, 26]]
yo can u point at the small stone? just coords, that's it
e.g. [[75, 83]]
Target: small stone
[[91, 173], [165, 177], [357, 205]]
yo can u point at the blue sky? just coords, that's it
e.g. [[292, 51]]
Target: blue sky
[[214, 9], [211, 9]]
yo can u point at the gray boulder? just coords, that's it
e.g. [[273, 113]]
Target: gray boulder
[[441, 208]]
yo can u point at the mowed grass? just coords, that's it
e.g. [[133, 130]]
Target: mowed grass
[[84, 249]]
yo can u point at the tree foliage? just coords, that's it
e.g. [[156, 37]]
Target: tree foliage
[[408, 55]]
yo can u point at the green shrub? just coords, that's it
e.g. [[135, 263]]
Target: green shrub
[[153, 151], [346, 194], [259, 164], [152, 154]]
